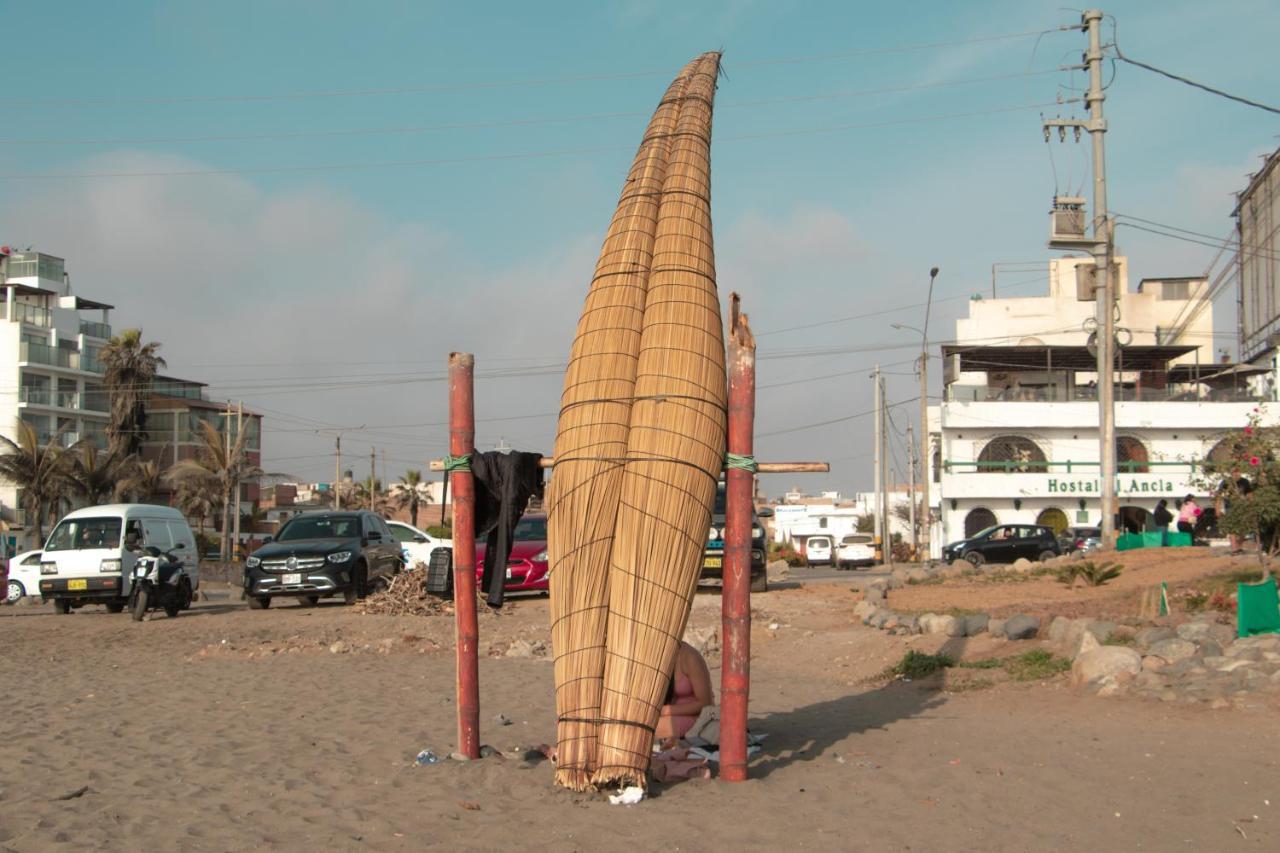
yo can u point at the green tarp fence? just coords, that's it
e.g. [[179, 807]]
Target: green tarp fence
[[1258, 608]]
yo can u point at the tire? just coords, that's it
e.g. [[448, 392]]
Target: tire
[[308, 600], [355, 591], [173, 608], [1047, 555], [14, 593], [62, 605], [259, 602], [115, 606], [975, 558], [760, 583], [140, 601]]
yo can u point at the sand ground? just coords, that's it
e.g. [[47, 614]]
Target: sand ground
[[230, 729]]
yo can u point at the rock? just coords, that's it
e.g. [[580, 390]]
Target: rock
[[1087, 643], [526, 649], [1101, 629], [338, 648], [916, 575], [1124, 632], [995, 627], [1148, 637], [1232, 665], [1021, 563], [880, 617], [1021, 627], [1116, 662], [1195, 631], [705, 640], [1243, 652], [1173, 650], [781, 567], [911, 623], [863, 609], [874, 594], [1209, 648], [900, 573], [975, 624], [1058, 629], [1151, 663], [945, 624]]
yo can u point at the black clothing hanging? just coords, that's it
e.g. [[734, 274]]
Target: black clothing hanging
[[504, 484]]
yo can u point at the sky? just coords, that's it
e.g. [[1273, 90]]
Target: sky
[[310, 207]]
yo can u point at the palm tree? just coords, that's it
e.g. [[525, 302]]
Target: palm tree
[[410, 493], [140, 481], [40, 472], [198, 496], [92, 475], [217, 465], [131, 367]]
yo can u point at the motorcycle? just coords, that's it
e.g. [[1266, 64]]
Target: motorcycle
[[159, 580]]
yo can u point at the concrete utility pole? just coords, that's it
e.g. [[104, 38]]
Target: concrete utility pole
[[337, 471], [911, 507], [925, 456], [878, 464], [1102, 247], [373, 475], [235, 536]]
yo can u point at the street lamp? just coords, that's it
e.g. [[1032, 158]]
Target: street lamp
[[925, 456]]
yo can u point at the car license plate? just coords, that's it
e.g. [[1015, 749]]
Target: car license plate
[[711, 562], [74, 585], [289, 580]]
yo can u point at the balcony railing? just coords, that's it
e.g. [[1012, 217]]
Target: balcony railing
[[957, 393], [95, 330], [33, 315], [954, 466], [58, 357], [49, 397], [68, 438]]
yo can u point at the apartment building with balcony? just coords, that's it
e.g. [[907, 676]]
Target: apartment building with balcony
[[1015, 437], [50, 374]]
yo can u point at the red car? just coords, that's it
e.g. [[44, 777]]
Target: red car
[[527, 565]]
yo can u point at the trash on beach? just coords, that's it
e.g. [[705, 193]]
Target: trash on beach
[[426, 757], [628, 796], [502, 720]]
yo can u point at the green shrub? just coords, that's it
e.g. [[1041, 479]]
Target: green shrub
[[439, 531], [1035, 665], [917, 664], [1093, 574]]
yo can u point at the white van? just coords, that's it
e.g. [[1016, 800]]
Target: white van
[[817, 550], [89, 556]]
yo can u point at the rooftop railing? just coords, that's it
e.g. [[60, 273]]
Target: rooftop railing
[[33, 315], [95, 330], [957, 393], [1068, 466]]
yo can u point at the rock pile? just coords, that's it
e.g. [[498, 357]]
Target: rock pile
[[1198, 662]]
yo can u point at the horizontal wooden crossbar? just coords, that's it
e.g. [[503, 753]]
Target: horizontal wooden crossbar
[[761, 467]]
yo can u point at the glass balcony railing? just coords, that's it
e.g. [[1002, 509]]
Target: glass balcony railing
[[32, 315], [95, 330], [957, 393], [37, 396], [68, 438], [58, 357]]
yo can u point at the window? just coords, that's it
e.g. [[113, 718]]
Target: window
[[531, 529], [1131, 455], [320, 527], [1011, 454], [977, 520], [1173, 290], [402, 533], [822, 522], [79, 534]]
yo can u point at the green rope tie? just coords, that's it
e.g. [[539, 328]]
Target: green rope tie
[[739, 462], [457, 463]]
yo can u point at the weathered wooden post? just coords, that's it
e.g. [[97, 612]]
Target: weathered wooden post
[[462, 435]]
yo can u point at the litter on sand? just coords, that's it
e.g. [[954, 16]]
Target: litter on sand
[[628, 796]]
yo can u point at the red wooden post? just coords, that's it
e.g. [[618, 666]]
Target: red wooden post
[[735, 674], [462, 436]]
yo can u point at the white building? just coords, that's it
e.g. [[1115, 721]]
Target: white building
[[1015, 438], [50, 376]]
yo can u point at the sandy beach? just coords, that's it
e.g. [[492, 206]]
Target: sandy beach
[[296, 729]]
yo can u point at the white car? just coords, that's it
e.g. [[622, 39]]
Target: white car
[[818, 550], [856, 549], [416, 544], [24, 577]]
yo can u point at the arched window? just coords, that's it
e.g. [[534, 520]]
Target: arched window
[[1011, 454], [937, 464], [1131, 456], [1053, 518], [978, 519], [1222, 458]]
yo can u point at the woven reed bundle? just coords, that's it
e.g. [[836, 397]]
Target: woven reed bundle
[[591, 441], [675, 451]]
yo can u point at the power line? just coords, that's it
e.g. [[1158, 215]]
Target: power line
[[491, 158], [526, 82], [1237, 98], [519, 122]]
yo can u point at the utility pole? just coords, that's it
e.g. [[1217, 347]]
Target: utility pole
[[337, 471], [235, 536], [373, 476], [925, 507], [1101, 246], [911, 509], [226, 503], [879, 469]]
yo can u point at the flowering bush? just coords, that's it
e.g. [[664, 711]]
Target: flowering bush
[[1248, 482]]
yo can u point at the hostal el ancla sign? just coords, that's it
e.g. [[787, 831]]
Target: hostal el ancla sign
[[1124, 485]]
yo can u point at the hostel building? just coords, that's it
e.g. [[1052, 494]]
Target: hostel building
[[1015, 438]]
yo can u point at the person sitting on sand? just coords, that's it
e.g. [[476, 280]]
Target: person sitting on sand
[[689, 693]]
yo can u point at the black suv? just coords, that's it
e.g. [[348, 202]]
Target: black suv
[[713, 557], [319, 554], [1005, 543]]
